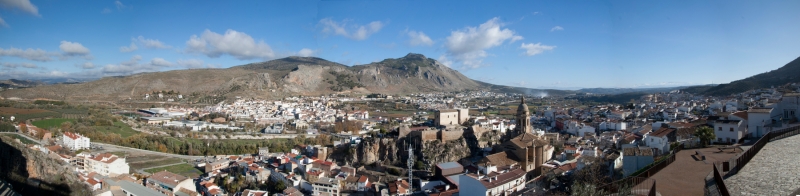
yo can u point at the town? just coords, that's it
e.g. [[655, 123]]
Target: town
[[437, 144], [399, 98]]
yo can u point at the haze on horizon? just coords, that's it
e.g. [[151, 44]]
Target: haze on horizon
[[562, 45]]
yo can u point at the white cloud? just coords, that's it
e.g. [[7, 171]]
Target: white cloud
[[534, 49], [133, 66], [355, 32], [160, 62], [192, 64], [105, 11], [130, 48], [147, 43], [15, 65], [30, 54], [151, 43], [557, 28], [47, 74], [119, 4], [73, 49], [3, 23], [443, 60], [468, 46], [234, 43], [419, 39], [24, 5], [87, 65], [305, 52], [28, 65]]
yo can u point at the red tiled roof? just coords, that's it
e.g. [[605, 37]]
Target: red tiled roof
[[109, 158], [71, 135], [363, 178], [92, 181], [741, 114], [54, 147], [662, 132]]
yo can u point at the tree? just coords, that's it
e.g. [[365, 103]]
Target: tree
[[706, 135]]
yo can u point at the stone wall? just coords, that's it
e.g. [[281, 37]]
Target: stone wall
[[450, 135], [429, 135]]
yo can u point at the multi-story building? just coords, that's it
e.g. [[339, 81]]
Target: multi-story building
[[75, 141], [170, 183], [326, 186], [104, 164], [729, 131], [492, 183], [217, 165]]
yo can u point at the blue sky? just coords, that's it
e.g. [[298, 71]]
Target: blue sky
[[537, 44]]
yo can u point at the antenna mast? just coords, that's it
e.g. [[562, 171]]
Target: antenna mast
[[410, 166]]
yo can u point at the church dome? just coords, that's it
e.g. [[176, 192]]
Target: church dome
[[523, 108]]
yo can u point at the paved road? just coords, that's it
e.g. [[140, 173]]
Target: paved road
[[23, 135], [110, 147]]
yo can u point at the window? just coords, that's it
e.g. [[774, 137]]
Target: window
[[719, 139], [731, 129], [720, 128]]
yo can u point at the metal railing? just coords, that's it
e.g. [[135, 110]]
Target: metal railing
[[641, 183], [631, 186], [715, 181]]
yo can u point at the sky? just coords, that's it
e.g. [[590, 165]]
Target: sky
[[535, 44]]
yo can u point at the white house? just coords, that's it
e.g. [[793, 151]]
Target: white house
[[326, 186], [578, 129], [618, 114], [75, 141], [610, 125], [757, 118], [494, 183], [659, 139], [729, 131], [363, 183], [106, 164], [789, 106], [499, 126]]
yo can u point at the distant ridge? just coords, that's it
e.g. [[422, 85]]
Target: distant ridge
[[789, 73], [282, 77]]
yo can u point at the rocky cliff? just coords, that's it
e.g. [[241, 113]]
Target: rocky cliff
[[373, 150], [32, 172], [390, 151], [435, 152]]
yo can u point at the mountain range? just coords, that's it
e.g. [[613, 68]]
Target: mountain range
[[288, 76], [413, 73], [778, 77]]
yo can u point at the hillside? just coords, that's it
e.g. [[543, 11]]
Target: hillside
[[781, 76], [276, 78]]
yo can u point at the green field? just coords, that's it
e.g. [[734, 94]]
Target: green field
[[155, 163], [119, 128], [50, 123], [181, 169]]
